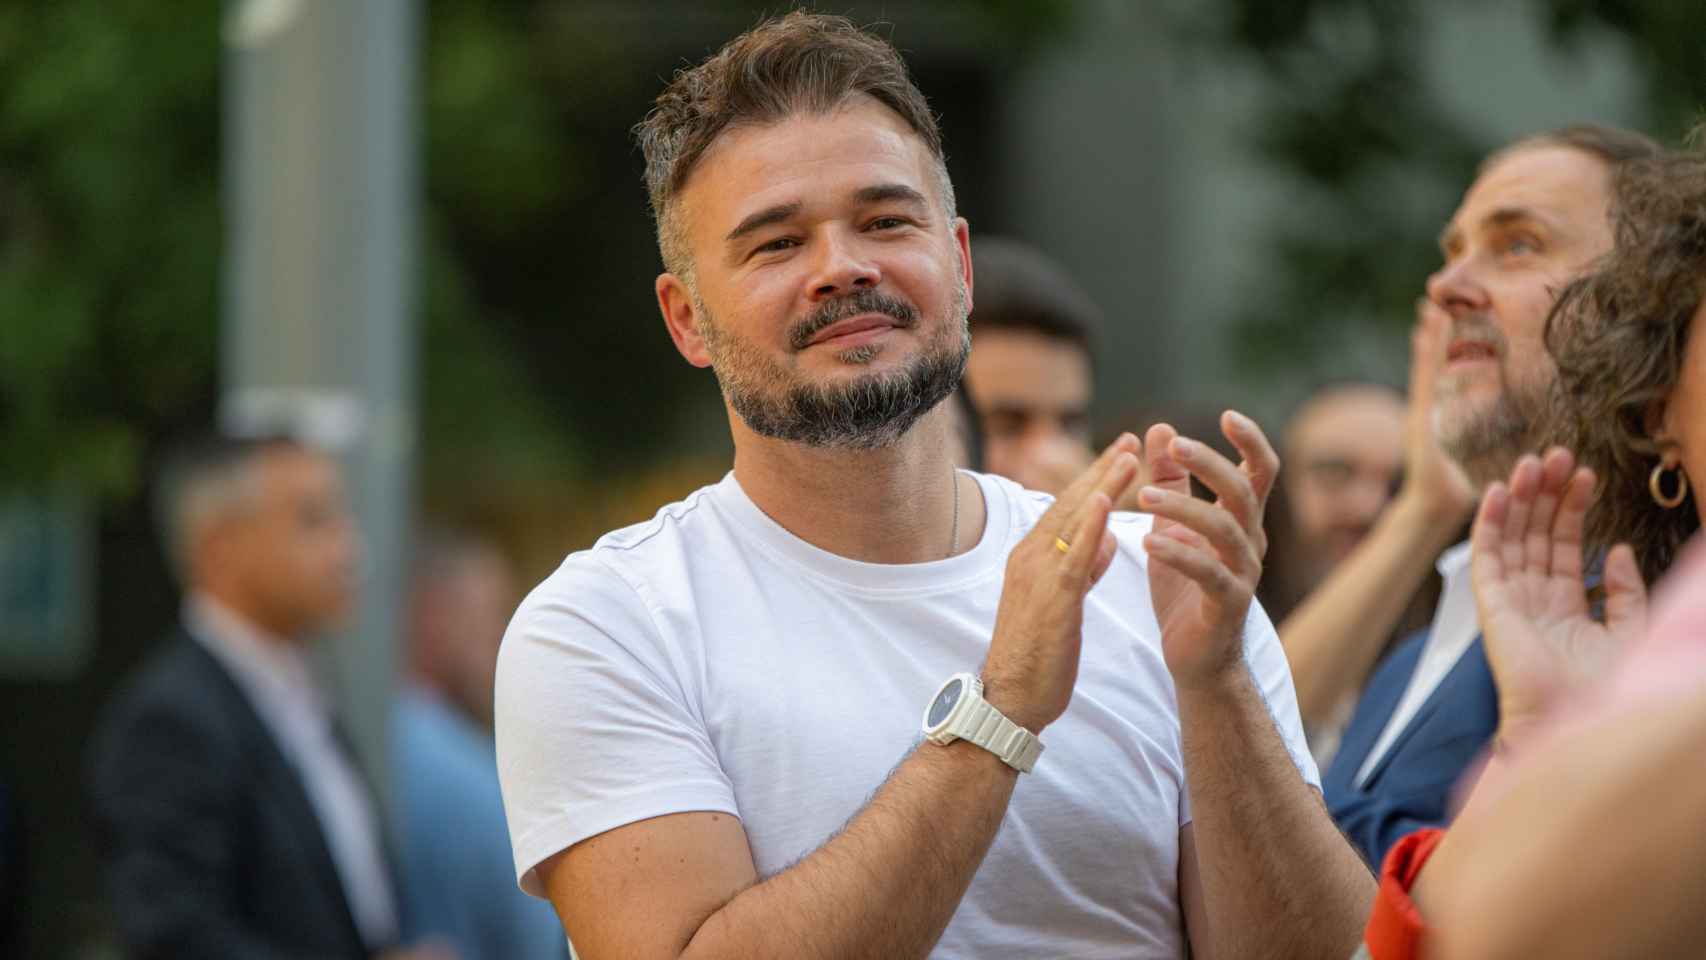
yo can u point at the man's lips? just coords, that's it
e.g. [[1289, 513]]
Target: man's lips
[[854, 330], [1471, 351]]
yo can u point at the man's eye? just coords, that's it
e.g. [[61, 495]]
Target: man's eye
[[1075, 424], [1520, 246], [887, 223], [778, 244], [1003, 424], [1332, 473]]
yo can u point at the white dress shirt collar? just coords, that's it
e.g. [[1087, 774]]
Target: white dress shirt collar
[[278, 681]]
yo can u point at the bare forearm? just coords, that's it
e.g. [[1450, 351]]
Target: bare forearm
[[1279, 879], [1607, 815], [1334, 636], [888, 883]]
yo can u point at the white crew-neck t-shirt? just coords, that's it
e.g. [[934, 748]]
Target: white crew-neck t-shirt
[[708, 660]]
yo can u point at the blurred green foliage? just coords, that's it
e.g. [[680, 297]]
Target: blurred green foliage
[[1352, 124], [109, 232]]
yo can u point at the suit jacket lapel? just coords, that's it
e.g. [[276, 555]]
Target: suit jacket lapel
[[1374, 712], [281, 779], [1472, 659]]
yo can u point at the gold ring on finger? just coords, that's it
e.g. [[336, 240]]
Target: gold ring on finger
[[1061, 544]]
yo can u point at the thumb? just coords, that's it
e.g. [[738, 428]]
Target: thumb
[[1625, 595], [1160, 469]]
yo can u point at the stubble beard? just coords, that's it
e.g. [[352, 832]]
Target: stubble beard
[[862, 413], [1486, 441]]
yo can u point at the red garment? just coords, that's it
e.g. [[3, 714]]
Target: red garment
[[1395, 928]]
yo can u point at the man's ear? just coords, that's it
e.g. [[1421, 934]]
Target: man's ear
[[962, 238], [681, 317]]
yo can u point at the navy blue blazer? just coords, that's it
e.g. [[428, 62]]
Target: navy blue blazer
[[209, 843], [1410, 788]]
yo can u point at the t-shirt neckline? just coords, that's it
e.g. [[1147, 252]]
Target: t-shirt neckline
[[889, 579]]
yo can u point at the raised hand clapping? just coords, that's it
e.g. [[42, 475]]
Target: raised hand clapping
[[1541, 637]]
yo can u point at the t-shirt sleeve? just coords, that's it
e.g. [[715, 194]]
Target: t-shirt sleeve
[[595, 726], [1272, 672]]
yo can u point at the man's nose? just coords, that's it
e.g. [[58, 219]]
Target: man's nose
[[1365, 496], [1456, 288], [841, 267]]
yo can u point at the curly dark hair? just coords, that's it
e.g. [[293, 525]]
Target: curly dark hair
[[1619, 335]]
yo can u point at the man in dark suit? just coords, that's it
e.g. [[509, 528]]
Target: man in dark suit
[[231, 820], [1536, 215]]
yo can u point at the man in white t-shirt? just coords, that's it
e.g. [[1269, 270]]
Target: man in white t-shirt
[[708, 725]]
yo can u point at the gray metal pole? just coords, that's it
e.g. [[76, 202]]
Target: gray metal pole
[[319, 333]]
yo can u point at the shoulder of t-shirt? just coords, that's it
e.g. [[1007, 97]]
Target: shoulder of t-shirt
[[611, 574], [673, 519]]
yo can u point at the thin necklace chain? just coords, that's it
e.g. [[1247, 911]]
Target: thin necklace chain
[[954, 542]]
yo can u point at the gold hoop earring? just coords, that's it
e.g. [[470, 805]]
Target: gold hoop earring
[[1656, 485]]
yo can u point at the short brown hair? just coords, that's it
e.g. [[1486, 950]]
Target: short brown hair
[[1619, 336], [798, 63]]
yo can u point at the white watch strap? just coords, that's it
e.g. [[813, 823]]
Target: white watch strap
[[985, 726]]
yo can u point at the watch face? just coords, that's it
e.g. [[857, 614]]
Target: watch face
[[945, 702]]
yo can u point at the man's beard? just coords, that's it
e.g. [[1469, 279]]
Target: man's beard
[[864, 413], [1487, 442]]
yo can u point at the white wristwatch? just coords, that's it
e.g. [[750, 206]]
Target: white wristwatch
[[959, 712]]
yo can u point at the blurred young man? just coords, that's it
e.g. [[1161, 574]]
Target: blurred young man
[[231, 820], [1343, 448], [709, 724], [1030, 373], [1344, 456], [1536, 216]]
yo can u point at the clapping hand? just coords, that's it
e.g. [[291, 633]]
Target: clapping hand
[[1033, 656], [1541, 638], [1205, 558]]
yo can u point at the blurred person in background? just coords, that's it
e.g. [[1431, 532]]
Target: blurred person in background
[[230, 818], [1031, 374], [1537, 215], [453, 845], [709, 723], [1345, 450]]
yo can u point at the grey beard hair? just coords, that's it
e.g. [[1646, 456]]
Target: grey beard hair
[[1487, 445], [868, 413]]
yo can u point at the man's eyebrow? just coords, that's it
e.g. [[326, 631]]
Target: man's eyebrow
[[884, 192], [762, 219], [1505, 216]]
